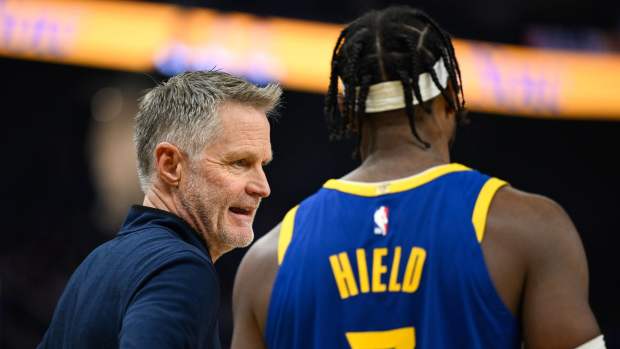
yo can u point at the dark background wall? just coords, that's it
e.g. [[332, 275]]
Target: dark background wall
[[48, 198]]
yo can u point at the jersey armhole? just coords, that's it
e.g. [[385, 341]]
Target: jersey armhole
[[483, 203], [286, 233]]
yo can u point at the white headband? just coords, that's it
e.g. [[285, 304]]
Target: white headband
[[389, 95]]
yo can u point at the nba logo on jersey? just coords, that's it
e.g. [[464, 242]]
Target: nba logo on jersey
[[381, 221]]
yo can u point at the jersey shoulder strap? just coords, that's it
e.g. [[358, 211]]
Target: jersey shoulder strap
[[483, 203], [286, 233]]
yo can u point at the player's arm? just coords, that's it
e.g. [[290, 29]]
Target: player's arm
[[555, 310], [174, 308], [252, 291]]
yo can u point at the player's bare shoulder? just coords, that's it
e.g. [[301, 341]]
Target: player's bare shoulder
[[525, 220], [263, 253], [252, 289], [536, 260], [259, 266], [526, 228]]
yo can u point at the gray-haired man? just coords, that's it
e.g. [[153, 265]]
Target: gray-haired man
[[202, 140]]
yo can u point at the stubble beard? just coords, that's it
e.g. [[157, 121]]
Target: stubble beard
[[200, 199]]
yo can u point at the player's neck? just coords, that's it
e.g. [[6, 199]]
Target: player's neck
[[393, 163], [392, 152], [394, 138], [391, 131]]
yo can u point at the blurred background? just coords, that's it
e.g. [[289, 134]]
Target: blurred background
[[542, 80]]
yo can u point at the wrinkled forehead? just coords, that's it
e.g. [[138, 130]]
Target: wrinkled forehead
[[242, 118], [244, 126]]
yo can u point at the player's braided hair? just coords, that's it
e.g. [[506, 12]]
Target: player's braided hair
[[397, 43]]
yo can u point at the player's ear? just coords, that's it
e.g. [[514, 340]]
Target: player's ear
[[444, 118], [168, 163], [340, 100], [449, 110]]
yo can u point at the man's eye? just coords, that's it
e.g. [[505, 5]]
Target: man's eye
[[240, 163]]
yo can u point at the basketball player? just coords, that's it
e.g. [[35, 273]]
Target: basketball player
[[410, 250]]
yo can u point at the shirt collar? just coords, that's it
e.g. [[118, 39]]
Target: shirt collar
[[139, 216]]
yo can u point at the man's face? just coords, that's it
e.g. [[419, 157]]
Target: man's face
[[224, 184]]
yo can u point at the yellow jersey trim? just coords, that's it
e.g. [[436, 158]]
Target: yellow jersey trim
[[483, 203], [395, 186], [286, 233]]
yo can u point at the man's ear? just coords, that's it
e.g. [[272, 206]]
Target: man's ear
[[340, 100], [449, 110], [168, 163]]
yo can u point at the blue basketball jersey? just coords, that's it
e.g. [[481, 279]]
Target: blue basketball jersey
[[394, 264]]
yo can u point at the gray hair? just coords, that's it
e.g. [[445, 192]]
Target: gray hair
[[183, 111]]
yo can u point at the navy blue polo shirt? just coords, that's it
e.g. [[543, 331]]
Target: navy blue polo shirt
[[152, 286]]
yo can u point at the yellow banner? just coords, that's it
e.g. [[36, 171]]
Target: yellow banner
[[136, 36]]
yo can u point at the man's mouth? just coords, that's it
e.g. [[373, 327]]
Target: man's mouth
[[242, 210]]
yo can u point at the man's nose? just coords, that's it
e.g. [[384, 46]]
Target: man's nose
[[259, 186]]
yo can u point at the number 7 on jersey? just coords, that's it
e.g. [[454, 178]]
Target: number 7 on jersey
[[400, 338]]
